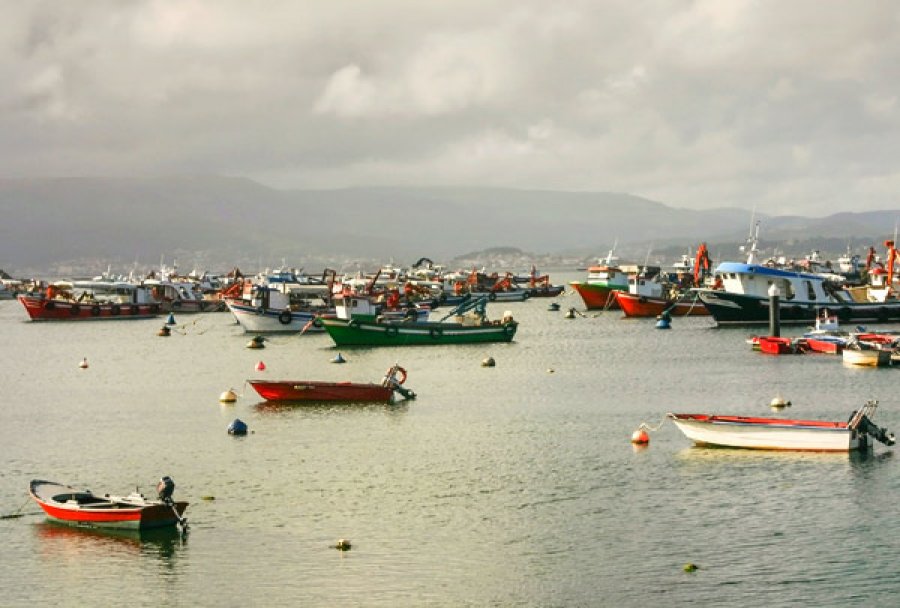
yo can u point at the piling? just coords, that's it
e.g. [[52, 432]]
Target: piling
[[774, 311]]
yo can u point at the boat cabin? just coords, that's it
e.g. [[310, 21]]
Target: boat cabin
[[800, 287]]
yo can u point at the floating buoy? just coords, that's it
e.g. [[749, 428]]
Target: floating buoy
[[83, 364], [171, 319], [237, 427], [164, 331], [778, 403], [343, 544], [489, 362], [256, 342], [689, 567], [570, 314], [640, 437], [207, 498], [339, 359], [550, 370], [228, 396], [260, 366], [554, 306], [663, 321]]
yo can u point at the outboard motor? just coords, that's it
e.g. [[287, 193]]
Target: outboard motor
[[165, 488], [861, 422]]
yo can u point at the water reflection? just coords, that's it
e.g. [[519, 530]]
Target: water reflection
[[328, 408], [90, 543]]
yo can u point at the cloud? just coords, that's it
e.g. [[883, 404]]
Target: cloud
[[783, 106]]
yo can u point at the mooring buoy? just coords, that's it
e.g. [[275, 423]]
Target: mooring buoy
[[339, 359], [228, 396], [489, 362], [343, 544], [640, 437], [237, 427], [83, 364], [260, 366], [171, 319]]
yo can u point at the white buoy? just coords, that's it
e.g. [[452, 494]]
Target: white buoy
[[343, 544], [489, 362], [83, 364], [228, 396], [778, 403]]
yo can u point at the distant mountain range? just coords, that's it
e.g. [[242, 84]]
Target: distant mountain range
[[85, 224]]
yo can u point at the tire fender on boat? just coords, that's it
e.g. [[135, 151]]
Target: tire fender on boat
[[436, 333], [284, 317], [353, 323], [115, 310], [73, 310], [50, 305], [509, 328], [391, 330], [95, 310], [492, 296]]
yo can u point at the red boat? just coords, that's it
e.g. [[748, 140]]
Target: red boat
[[634, 305], [69, 505], [40, 308], [830, 347], [777, 346], [350, 392]]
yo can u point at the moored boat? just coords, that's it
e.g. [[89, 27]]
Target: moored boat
[[69, 505], [855, 353], [602, 280], [318, 391], [775, 345], [784, 434], [470, 326], [59, 304]]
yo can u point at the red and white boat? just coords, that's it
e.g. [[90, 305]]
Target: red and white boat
[[350, 392], [635, 305], [784, 434], [651, 292], [69, 505]]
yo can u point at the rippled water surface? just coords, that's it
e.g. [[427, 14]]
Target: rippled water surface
[[507, 486]]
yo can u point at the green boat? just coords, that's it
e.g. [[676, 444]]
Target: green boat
[[469, 326]]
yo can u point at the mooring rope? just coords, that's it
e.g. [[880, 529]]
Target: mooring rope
[[653, 429]]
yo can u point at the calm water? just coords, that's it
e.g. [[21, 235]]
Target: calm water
[[507, 486]]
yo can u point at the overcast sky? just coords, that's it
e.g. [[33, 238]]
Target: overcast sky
[[788, 106]]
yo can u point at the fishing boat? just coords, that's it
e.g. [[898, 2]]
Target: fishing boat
[[775, 345], [58, 303], [469, 326], [784, 434], [742, 295], [351, 392], [602, 280], [69, 505], [263, 309]]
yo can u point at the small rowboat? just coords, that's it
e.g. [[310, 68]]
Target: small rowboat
[[69, 505], [348, 392], [783, 434]]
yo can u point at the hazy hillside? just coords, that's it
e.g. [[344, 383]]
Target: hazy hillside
[[220, 221]]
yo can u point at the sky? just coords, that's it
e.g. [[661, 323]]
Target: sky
[[783, 107]]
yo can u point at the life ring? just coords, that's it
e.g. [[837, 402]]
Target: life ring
[[492, 296], [436, 333], [73, 310], [398, 370], [50, 305], [390, 330], [284, 317], [115, 310], [95, 310]]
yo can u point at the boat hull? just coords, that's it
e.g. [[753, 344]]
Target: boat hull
[[866, 357], [738, 309], [772, 345], [633, 305], [42, 309], [365, 333], [270, 320], [766, 433], [829, 347], [597, 296], [305, 390]]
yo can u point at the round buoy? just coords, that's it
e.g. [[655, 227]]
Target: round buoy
[[689, 567], [779, 403], [260, 366], [570, 314], [83, 364], [164, 331], [256, 342], [342, 544], [550, 370], [228, 396], [207, 498], [554, 306], [339, 359], [640, 437], [489, 362], [237, 427], [171, 319]]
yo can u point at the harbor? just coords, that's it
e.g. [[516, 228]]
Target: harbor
[[507, 485]]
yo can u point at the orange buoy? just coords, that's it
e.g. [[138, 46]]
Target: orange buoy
[[640, 437], [260, 366]]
